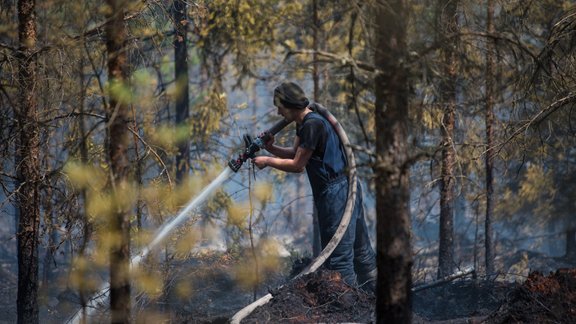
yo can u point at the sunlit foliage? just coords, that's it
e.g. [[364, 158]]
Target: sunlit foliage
[[247, 47]]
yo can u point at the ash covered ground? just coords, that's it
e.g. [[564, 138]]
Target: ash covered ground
[[323, 297], [547, 294], [319, 297]]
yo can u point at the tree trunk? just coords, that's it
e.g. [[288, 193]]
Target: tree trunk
[[316, 242], [316, 28], [448, 25], [571, 243], [181, 76], [118, 119], [354, 88], [394, 255], [489, 244], [27, 166], [49, 256]]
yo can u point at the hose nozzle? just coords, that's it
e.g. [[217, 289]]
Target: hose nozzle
[[253, 146]]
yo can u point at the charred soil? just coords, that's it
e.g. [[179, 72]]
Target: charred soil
[[318, 297], [324, 297], [541, 299]]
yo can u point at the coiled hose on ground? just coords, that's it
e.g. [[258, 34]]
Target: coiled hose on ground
[[352, 192]]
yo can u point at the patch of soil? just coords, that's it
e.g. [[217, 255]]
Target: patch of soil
[[318, 297], [460, 299], [541, 299]]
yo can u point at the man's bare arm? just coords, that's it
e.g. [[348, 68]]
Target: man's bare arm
[[296, 165], [284, 152]]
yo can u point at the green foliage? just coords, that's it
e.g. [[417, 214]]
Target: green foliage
[[208, 112], [242, 46]]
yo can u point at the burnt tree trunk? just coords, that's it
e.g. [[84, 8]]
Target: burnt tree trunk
[[394, 254], [27, 166], [181, 76], [489, 160], [118, 119], [447, 21], [571, 243]]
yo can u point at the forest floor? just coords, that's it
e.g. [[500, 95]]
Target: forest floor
[[323, 297], [545, 296]]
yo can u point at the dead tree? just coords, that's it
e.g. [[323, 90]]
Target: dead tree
[[447, 22], [117, 114], [27, 166], [394, 255], [489, 159], [181, 75]]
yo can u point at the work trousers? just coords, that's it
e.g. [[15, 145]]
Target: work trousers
[[354, 257]]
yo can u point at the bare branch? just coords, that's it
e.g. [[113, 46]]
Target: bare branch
[[541, 115], [74, 114], [334, 58], [151, 149], [12, 48], [495, 36]]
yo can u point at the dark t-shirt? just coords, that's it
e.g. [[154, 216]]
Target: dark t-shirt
[[313, 135]]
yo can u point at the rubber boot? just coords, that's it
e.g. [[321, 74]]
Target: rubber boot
[[367, 281]]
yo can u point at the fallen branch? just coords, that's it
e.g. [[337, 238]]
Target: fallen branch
[[444, 280]]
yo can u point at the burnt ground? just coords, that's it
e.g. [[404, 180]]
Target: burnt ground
[[323, 297], [463, 300], [544, 297], [319, 297], [541, 299], [515, 296]]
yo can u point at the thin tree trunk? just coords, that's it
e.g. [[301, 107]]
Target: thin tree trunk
[[86, 224], [571, 243], [315, 40], [118, 116], [316, 243], [489, 243], [394, 255], [352, 78], [181, 76], [448, 24], [27, 167], [49, 223]]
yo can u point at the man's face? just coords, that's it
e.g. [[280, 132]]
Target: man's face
[[284, 112]]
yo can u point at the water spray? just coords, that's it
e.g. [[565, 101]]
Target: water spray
[[254, 145]]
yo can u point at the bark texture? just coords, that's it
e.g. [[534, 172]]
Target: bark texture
[[27, 166], [448, 24], [183, 97], [571, 243], [118, 119], [489, 161], [394, 255]]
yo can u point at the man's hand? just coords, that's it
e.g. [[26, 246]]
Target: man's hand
[[261, 161]]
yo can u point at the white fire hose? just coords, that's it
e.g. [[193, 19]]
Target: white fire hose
[[335, 240]]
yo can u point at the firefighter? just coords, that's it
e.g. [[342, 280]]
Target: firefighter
[[318, 149]]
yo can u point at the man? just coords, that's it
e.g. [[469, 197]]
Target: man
[[317, 148]]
